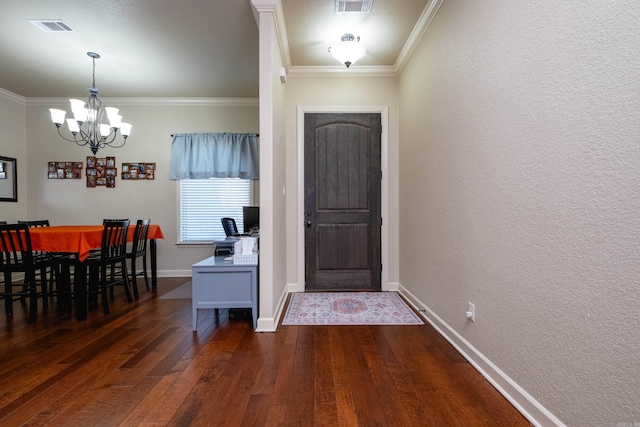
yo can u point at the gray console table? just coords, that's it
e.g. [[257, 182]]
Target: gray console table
[[217, 283]]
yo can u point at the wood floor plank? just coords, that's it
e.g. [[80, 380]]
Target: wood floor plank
[[142, 365], [325, 402]]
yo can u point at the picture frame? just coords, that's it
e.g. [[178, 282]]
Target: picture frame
[[101, 172], [64, 170], [8, 179], [138, 171]]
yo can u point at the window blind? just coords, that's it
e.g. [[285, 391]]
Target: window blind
[[203, 202]]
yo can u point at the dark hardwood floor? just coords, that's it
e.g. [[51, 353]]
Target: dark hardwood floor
[[143, 366]]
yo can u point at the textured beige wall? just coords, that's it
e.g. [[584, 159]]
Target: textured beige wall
[[519, 184], [70, 201], [13, 144]]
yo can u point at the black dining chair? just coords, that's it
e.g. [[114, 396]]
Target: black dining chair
[[104, 221], [108, 267], [139, 250], [114, 219], [16, 257], [47, 264]]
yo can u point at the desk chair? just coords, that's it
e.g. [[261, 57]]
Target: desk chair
[[229, 225]]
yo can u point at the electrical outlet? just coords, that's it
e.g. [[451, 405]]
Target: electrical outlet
[[471, 312]]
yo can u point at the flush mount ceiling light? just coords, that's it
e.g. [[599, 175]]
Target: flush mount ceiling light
[[86, 125], [349, 50]]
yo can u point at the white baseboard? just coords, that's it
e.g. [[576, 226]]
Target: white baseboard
[[174, 273], [270, 324], [530, 408], [392, 287]]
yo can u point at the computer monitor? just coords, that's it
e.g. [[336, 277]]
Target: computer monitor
[[250, 217]]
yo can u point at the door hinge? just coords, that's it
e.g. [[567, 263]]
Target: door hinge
[[380, 221]]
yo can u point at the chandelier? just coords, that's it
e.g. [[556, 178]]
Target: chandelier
[[87, 125], [349, 51]]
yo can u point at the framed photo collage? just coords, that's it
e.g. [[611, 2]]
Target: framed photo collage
[[101, 171]]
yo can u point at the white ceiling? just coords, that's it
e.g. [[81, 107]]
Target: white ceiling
[[184, 48]]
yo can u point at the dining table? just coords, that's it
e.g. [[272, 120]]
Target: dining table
[[78, 241]]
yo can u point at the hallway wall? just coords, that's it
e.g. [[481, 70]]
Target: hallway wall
[[519, 160]]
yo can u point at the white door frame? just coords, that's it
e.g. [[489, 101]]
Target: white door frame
[[384, 185]]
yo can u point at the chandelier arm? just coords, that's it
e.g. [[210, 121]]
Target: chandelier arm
[[83, 137], [106, 141], [113, 136], [124, 141], [75, 138]]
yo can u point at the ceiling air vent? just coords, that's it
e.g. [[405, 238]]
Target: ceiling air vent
[[344, 6], [52, 25]]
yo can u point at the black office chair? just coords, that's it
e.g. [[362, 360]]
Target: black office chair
[[139, 249], [229, 225], [16, 257]]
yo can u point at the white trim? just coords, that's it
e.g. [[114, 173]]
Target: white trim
[[186, 102], [270, 324], [529, 407], [13, 97], [414, 38], [174, 273], [355, 71], [275, 7], [292, 287], [384, 185], [423, 23]]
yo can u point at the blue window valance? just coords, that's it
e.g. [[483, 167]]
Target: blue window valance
[[214, 155]]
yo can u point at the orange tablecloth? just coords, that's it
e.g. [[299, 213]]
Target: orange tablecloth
[[78, 239]]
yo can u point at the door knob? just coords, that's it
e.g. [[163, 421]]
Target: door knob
[[307, 224]]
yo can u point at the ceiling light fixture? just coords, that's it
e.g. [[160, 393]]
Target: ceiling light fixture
[[86, 125], [349, 50]]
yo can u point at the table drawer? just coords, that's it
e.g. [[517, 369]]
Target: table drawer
[[223, 287]]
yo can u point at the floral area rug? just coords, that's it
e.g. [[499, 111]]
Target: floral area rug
[[349, 308]]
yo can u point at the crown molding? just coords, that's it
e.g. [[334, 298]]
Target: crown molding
[[13, 97], [416, 35], [423, 23], [275, 7], [355, 71], [163, 102]]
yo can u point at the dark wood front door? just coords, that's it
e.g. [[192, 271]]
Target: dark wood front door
[[342, 176]]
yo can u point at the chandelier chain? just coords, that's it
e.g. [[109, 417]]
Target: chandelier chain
[[93, 83]]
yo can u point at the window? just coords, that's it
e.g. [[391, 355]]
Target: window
[[203, 202]]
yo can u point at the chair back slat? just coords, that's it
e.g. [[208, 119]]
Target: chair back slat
[[140, 236], [37, 224], [114, 239], [15, 246], [34, 224]]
